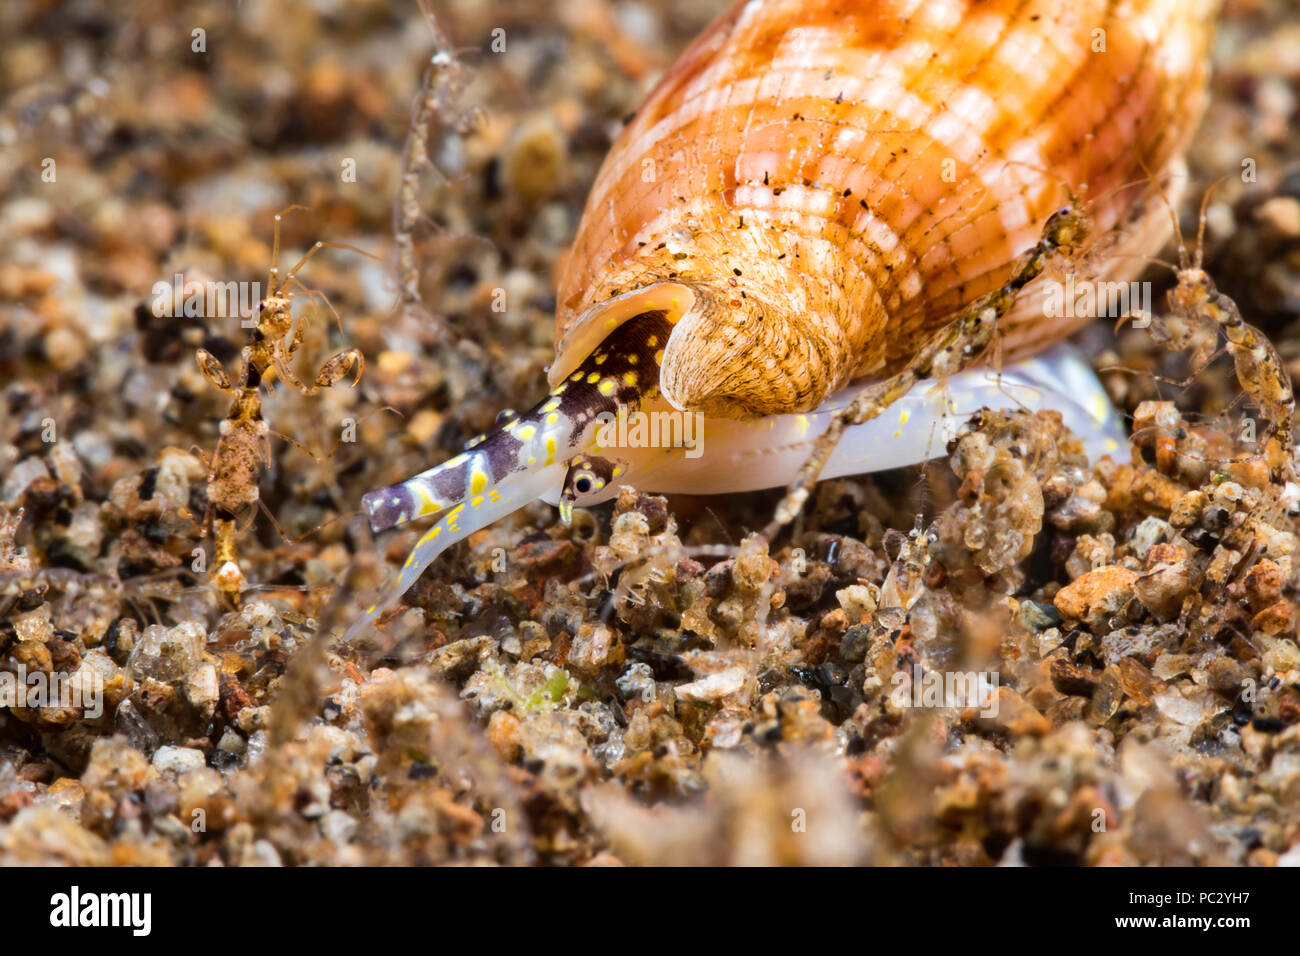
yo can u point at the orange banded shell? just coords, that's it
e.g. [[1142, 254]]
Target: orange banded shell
[[816, 185], [809, 192]]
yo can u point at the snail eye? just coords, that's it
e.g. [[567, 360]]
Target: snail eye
[[582, 485]]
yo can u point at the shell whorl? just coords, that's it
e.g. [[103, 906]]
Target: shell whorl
[[785, 363], [834, 178]]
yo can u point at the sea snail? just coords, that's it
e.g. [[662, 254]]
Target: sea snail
[[813, 189]]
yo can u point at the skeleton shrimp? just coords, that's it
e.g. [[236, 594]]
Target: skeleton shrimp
[[1258, 366], [244, 447]]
